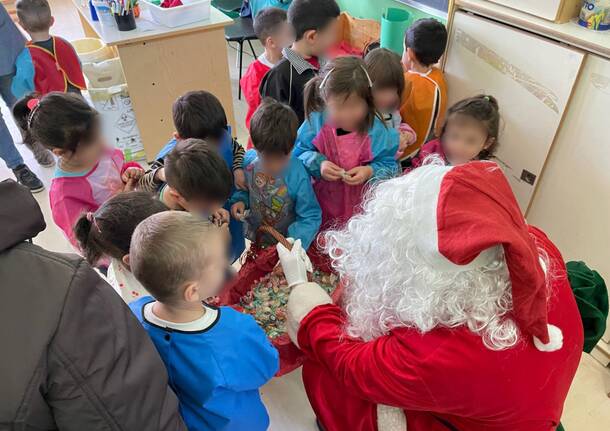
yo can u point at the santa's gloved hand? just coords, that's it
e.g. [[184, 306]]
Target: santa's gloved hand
[[295, 263], [304, 256]]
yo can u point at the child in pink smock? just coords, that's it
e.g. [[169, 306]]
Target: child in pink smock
[[88, 172], [343, 142]]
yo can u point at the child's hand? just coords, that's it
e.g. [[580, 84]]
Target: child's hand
[[132, 173], [239, 177], [220, 217], [238, 211], [403, 143], [331, 172], [130, 185], [406, 137], [160, 175], [358, 175]]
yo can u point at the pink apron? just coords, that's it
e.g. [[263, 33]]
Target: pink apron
[[105, 179], [338, 200]]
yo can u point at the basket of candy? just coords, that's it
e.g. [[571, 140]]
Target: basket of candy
[[260, 289]]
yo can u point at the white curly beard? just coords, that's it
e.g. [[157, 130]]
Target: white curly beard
[[390, 285]]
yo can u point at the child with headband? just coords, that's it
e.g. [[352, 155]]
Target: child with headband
[[88, 171], [343, 142]]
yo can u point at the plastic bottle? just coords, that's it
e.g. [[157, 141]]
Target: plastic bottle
[[595, 15]]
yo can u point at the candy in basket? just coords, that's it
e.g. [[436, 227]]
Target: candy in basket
[[260, 289]]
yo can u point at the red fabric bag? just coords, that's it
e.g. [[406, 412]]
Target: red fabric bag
[[258, 263]]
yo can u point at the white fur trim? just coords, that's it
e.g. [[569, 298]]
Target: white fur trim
[[555, 340], [390, 418], [542, 264], [303, 298]]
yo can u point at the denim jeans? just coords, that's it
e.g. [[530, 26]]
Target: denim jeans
[[8, 152]]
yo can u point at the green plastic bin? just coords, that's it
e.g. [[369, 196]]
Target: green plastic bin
[[394, 24]]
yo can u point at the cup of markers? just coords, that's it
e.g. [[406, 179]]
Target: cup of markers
[[122, 10]]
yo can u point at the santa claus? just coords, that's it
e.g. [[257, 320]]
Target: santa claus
[[456, 314]]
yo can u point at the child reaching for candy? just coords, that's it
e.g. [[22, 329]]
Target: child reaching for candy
[[89, 172], [279, 192], [199, 115], [197, 181]]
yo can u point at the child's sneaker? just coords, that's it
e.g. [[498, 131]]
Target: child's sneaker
[[28, 178], [43, 156]]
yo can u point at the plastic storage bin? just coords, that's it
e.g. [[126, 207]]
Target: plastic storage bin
[[104, 14], [180, 15], [91, 50], [107, 73]]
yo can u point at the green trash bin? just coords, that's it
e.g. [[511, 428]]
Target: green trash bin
[[394, 24]]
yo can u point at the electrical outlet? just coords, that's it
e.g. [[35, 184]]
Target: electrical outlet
[[528, 177]]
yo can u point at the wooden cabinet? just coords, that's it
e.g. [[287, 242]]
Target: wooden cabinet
[[532, 78], [553, 10], [572, 202], [553, 86]]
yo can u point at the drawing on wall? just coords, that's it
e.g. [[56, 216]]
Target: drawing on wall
[[542, 93], [601, 82]]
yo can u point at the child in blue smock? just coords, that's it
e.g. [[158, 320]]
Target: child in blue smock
[[279, 191], [200, 115], [343, 142], [216, 358]]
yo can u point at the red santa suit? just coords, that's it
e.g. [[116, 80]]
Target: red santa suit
[[447, 379]]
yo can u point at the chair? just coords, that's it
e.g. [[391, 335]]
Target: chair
[[242, 30], [230, 8]]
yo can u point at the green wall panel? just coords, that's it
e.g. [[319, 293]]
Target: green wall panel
[[372, 9]]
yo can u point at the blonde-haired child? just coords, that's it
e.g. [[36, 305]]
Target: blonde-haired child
[[217, 358]]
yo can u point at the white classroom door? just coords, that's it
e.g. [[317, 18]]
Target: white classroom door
[[572, 203], [532, 78]]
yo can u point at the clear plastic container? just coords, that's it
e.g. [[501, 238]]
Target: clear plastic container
[[180, 15], [104, 14]]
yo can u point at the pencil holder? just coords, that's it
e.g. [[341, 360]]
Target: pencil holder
[[126, 21]]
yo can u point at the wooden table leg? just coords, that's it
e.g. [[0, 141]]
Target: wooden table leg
[[87, 29], [160, 70]]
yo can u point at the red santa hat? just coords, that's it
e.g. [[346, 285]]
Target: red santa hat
[[463, 213]]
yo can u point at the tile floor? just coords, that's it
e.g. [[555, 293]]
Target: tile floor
[[587, 407]]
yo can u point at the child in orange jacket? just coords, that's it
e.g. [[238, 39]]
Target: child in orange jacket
[[425, 99]]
